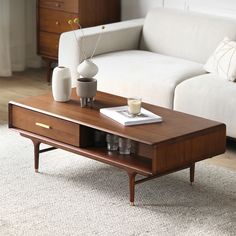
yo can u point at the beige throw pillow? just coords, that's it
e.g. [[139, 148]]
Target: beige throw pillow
[[223, 61]]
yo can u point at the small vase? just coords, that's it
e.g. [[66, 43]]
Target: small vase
[[61, 84], [87, 69], [86, 89]]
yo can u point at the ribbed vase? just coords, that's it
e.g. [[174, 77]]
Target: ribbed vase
[[61, 84]]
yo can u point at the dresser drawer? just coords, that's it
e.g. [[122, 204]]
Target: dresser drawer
[[60, 5], [55, 21], [48, 44], [45, 125]]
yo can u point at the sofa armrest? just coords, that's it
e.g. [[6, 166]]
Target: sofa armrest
[[119, 36]]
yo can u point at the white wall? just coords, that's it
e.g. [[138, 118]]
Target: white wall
[[138, 8], [220, 7], [180, 4]]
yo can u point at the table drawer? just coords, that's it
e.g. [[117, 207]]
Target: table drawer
[[60, 5], [55, 21], [48, 44], [45, 125]]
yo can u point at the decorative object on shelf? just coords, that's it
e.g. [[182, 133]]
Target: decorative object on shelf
[[61, 84], [134, 106], [121, 115], [86, 89], [87, 69], [124, 146], [112, 142], [99, 138]]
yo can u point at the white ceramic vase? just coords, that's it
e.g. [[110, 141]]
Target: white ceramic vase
[[87, 69], [61, 84]]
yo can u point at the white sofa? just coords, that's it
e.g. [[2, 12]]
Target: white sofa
[[160, 58]]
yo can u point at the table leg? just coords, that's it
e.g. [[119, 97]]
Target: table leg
[[132, 186], [36, 155], [49, 71], [192, 170]]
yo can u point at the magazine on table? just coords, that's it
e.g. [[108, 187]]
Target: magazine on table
[[121, 115]]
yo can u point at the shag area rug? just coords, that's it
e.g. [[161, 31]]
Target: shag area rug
[[73, 195]]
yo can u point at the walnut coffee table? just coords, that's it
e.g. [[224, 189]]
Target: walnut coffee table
[[161, 148]]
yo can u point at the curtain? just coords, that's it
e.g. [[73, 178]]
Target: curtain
[[186, 5], [17, 36], [5, 61]]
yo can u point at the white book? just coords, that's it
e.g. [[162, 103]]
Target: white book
[[121, 115]]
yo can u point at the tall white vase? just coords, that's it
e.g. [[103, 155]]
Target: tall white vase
[[61, 84]]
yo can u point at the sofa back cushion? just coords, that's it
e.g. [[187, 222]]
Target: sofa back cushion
[[184, 34]]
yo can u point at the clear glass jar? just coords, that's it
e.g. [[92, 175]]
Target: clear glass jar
[[112, 142], [124, 146]]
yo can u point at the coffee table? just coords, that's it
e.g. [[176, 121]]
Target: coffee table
[[177, 143]]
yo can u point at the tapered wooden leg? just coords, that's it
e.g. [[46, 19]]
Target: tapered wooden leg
[[132, 186], [192, 170], [49, 71], [36, 155]]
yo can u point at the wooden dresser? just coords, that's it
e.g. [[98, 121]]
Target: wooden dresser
[[53, 15]]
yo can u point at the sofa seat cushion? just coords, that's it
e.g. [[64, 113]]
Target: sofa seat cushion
[[144, 74], [210, 97]]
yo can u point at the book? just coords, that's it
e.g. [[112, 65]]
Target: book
[[121, 115]]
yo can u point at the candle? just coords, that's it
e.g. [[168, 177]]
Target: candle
[[134, 106]]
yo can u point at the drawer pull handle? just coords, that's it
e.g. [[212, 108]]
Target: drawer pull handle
[[58, 5], [57, 22], [43, 125]]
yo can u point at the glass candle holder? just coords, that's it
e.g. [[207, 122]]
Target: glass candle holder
[[124, 146], [99, 138], [134, 106], [112, 142]]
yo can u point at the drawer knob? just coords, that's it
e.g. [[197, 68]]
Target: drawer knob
[[42, 125], [57, 22], [58, 5]]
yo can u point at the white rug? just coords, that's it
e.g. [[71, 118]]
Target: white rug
[[76, 196]]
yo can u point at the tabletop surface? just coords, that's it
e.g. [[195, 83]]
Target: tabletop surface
[[175, 125]]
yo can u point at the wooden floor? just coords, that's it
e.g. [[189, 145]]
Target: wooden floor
[[21, 84], [33, 82]]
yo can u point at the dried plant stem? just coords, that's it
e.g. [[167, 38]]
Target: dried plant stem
[[82, 50], [96, 45], [82, 42], [76, 21]]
